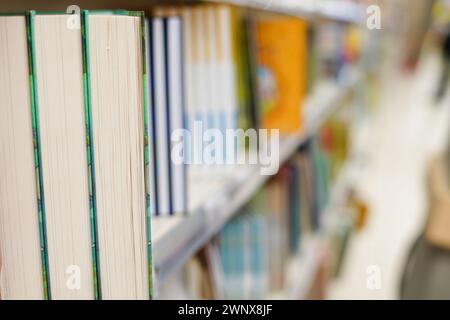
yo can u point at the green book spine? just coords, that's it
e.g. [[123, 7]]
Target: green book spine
[[37, 154], [141, 14], [90, 159]]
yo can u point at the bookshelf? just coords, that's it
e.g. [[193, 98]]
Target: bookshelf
[[302, 267], [338, 10], [301, 270], [176, 239], [343, 11]]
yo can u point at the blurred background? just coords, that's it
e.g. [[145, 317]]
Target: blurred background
[[360, 207], [386, 166], [377, 239]]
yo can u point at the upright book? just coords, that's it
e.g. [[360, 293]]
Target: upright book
[[282, 49], [21, 240], [161, 117], [57, 60], [168, 113], [116, 82], [74, 197], [175, 96]]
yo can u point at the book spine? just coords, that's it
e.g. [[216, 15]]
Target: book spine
[[153, 203], [90, 154], [37, 155], [154, 209], [169, 115], [188, 87], [162, 134], [176, 108], [146, 152]]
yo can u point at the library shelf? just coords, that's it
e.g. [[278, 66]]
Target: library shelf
[[338, 10], [303, 266], [176, 238], [301, 270]]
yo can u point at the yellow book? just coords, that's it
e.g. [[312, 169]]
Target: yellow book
[[282, 53]]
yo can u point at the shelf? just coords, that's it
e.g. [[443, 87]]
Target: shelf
[[301, 270], [338, 10], [303, 267], [176, 239]]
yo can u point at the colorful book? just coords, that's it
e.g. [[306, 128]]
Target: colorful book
[[282, 48]]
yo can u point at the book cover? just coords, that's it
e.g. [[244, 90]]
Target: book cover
[[282, 50]]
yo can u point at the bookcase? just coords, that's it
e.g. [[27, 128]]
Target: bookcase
[[344, 11], [175, 239]]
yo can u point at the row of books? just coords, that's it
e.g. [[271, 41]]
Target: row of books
[[75, 199], [90, 110], [249, 259]]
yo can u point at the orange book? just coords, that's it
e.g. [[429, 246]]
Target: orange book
[[282, 70]]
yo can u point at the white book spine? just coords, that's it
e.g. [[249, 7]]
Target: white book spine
[[213, 75], [188, 79], [228, 78], [201, 83], [161, 121], [151, 124], [176, 111]]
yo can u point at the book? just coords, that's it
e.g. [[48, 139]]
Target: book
[[230, 248], [258, 257], [313, 66], [243, 245], [151, 123], [246, 72], [211, 93], [277, 213], [210, 45], [161, 120], [199, 65], [57, 58], [282, 47], [169, 113], [226, 17], [188, 84], [20, 209], [116, 83], [294, 207], [331, 49], [175, 97]]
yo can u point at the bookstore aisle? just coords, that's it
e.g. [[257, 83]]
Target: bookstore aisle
[[401, 138], [228, 149]]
